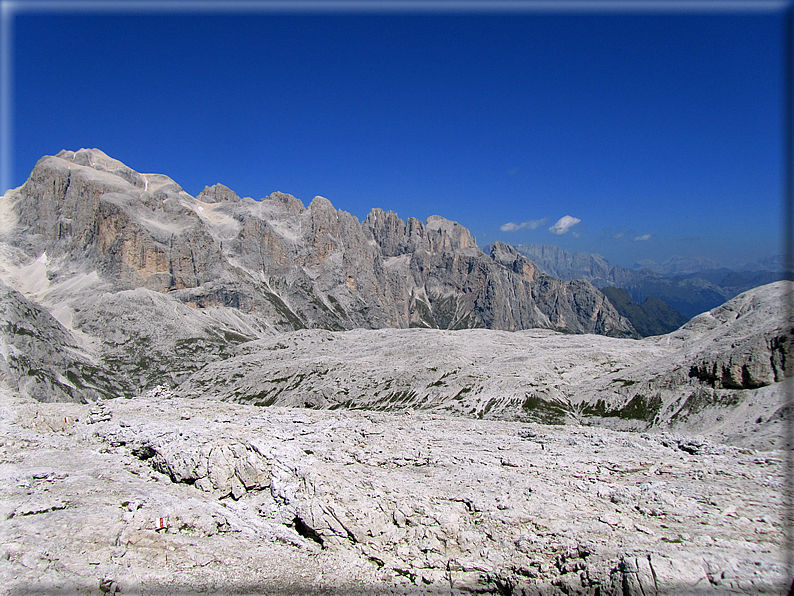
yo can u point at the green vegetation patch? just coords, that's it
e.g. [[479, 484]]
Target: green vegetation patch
[[336, 306], [284, 311], [459, 395], [537, 409], [702, 399], [425, 316], [638, 408], [444, 310]]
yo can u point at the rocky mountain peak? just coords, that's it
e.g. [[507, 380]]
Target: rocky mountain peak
[[394, 236], [292, 204], [449, 235], [507, 256], [217, 193], [100, 161], [319, 203]]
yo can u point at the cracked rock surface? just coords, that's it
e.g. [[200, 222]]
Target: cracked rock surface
[[161, 495]]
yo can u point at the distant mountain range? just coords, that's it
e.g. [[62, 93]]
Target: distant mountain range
[[678, 265], [687, 265], [690, 286]]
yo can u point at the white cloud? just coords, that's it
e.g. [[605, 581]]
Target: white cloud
[[563, 225], [527, 225], [642, 238]]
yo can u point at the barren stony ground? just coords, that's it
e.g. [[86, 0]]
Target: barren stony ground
[[282, 500]]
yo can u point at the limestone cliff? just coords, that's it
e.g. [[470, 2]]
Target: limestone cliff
[[290, 265]]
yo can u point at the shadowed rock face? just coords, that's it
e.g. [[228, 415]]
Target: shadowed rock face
[[292, 266], [651, 317], [41, 358]]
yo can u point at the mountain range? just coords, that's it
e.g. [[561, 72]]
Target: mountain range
[[289, 265], [321, 405], [690, 286], [114, 282]]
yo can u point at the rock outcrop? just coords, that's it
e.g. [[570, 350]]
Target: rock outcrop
[[722, 365]]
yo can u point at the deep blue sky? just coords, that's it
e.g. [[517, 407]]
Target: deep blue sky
[[659, 127]]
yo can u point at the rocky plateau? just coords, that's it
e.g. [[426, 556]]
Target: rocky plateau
[[166, 495], [219, 395]]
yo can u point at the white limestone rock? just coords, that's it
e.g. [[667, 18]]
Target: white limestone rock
[[291, 266], [370, 502]]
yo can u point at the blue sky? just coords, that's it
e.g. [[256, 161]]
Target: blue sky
[[660, 131]]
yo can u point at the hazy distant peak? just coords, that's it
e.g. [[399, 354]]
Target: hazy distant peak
[[774, 263], [676, 265]]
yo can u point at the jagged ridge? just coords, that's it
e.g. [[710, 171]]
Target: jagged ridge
[[294, 266]]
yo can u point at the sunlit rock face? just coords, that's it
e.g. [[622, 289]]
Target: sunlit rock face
[[293, 266]]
